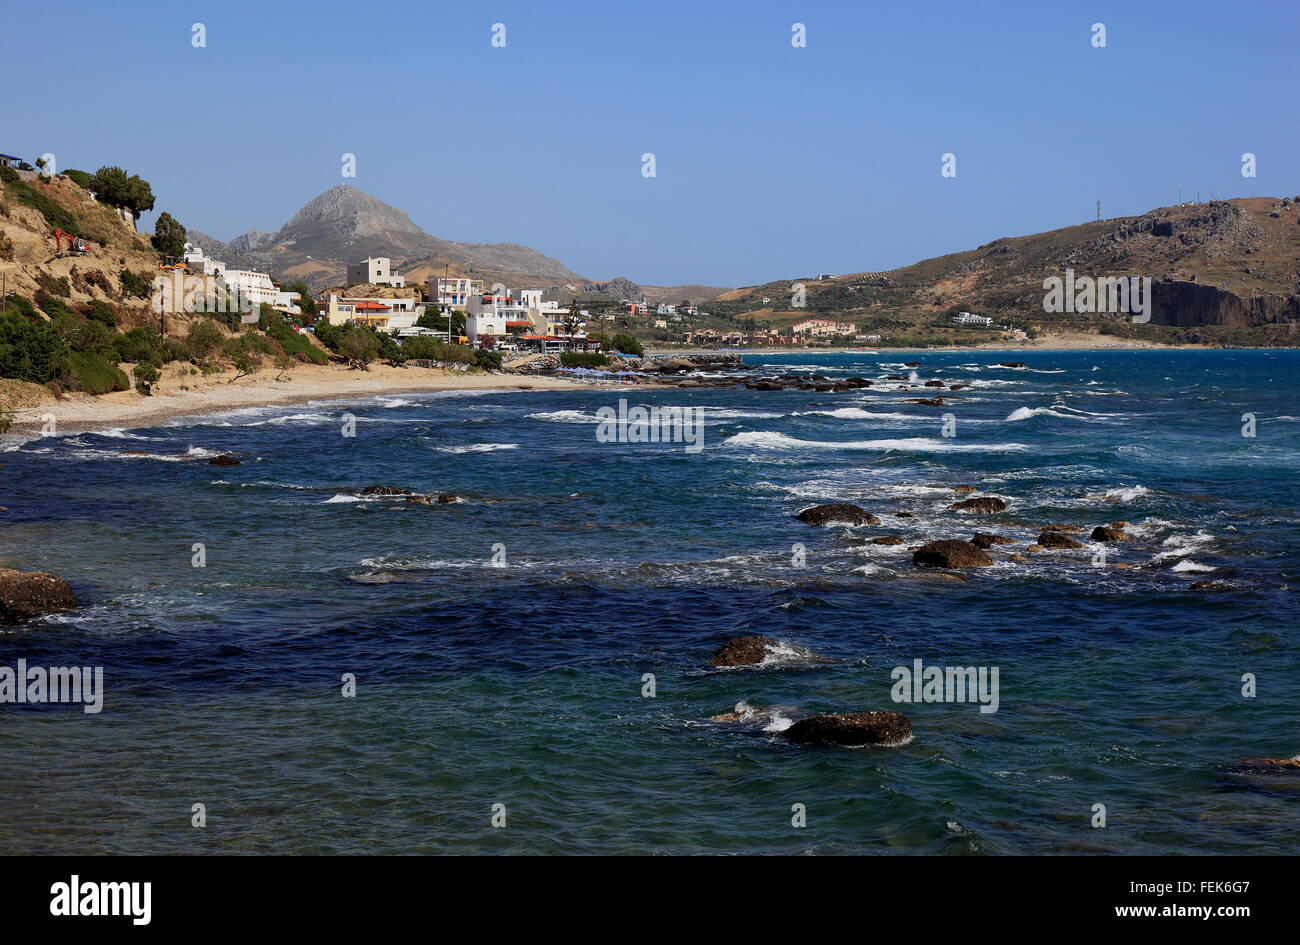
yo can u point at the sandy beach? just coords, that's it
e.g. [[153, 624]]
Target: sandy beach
[[182, 394]]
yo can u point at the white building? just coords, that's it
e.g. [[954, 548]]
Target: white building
[[375, 270], [966, 318], [287, 302], [252, 286], [454, 291]]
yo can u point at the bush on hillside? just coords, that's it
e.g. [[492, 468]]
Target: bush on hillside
[[295, 344], [53, 285], [80, 178], [99, 311], [55, 214], [16, 303], [29, 350], [135, 284], [51, 305], [93, 374], [142, 344]]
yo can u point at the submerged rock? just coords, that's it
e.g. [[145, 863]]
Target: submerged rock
[[837, 512], [963, 489], [744, 712], [1101, 533], [984, 504], [1056, 540], [1060, 528], [951, 553], [27, 594], [445, 498], [887, 540], [742, 651], [1011, 364], [851, 729], [983, 540], [385, 490], [224, 460], [1273, 763]]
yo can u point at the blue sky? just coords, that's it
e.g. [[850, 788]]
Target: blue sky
[[771, 161]]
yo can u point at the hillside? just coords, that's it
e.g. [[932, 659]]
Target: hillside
[[344, 225], [1225, 271], [30, 210]]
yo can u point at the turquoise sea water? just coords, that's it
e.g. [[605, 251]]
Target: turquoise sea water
[[522, 684]]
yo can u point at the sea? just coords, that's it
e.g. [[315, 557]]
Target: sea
[[292, 665]]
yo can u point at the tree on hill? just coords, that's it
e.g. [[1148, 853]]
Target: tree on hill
[[169, 236], [113, 186]]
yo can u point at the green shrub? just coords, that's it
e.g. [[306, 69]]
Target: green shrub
[[95, 375], [82, 334], [203, 338], [9, 175], [488, 360], [53, 285], [136, 284], [626, 344], [55, 214], [584, 359], [146, 375], [102, 312], [143, 344], [29, 350], [51, 306], [295, 344], [433, 349], [20, 305], [80, 178]]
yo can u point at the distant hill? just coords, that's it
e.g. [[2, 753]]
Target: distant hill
[[344, 225], [1234, 264]]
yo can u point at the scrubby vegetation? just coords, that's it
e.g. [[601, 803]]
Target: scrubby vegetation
[[583, 359]]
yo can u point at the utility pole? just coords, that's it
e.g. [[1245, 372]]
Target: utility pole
[[1098, 209]]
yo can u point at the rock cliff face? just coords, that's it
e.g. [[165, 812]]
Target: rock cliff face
[[1185, 304]]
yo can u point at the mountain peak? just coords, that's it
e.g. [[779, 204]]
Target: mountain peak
[[346, 212]]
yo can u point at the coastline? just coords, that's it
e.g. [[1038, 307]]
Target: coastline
[[179, 394], [1062, 341], [79, 413]]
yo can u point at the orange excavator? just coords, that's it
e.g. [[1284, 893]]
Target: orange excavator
[[76, 245]]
